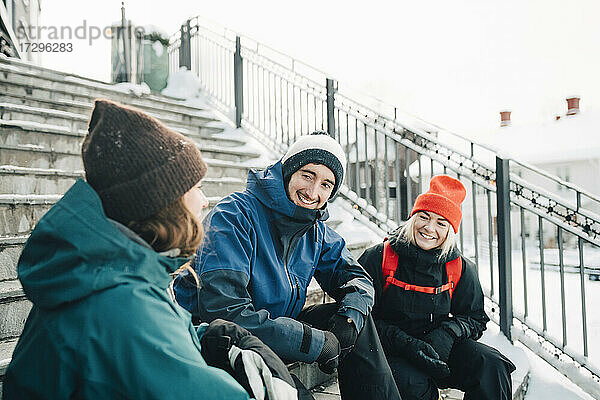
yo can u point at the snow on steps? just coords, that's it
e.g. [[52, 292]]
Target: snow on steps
[[19, 95], [60, 85], [32, 131], [79, 122], [31, 181], [37, 156]]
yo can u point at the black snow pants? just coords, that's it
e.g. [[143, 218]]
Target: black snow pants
[[480, 371], [364, 373]]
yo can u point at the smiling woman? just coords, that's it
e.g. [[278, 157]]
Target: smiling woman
[[429, 304]]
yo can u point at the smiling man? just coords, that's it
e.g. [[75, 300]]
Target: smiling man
[[262, 248]]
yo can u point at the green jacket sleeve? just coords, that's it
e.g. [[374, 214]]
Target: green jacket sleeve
[[154, 351]]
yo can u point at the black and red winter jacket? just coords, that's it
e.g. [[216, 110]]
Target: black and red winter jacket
[[418, 313]]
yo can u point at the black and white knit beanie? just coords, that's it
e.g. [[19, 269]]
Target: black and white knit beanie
[[316, 148]]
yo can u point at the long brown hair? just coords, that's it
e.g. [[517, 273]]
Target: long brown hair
[[172, 227]]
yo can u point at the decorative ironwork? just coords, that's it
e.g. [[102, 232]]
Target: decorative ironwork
[[554, 209]]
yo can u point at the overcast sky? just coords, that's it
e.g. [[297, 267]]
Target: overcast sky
[[453, 63]]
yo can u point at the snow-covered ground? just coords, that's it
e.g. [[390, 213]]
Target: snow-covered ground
[[552, 291], [546, 383]]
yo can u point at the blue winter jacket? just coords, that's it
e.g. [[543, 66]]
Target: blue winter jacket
[[259, 254]]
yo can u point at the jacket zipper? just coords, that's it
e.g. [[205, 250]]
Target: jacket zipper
[[295, 290], [297, 294], [287, 274]]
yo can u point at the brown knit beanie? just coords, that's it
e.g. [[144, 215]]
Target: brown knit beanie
[[137, 165]]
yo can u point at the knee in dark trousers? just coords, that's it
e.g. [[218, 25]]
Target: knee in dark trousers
[[412, 383], [364, 373], [480, 371]]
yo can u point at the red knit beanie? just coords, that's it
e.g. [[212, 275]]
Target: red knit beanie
[[444, 197]]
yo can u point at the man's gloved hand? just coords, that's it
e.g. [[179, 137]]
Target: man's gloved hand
[[426, 358], [253, 364], [329, 358], [442, 341], [344, 330], [217, 340]]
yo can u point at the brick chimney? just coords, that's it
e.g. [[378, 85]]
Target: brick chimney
[[504, 118], [572, 105]]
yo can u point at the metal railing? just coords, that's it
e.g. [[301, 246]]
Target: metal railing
[[514, 213]]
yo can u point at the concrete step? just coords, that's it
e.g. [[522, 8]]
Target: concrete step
[[64, 139], [6, 350], [14, 308], [331, 391], [34, 156], [37, 156], [26, 181], [357, 247], [10, 250], [42, 116], [20, 213], [78, 123], [19, 95], [59, 85]]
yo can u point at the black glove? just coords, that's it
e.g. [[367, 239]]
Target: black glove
[[217, 340], [398, 343], [458, 327], [329, 358], [344, 330], [425, 357], [442, 341]]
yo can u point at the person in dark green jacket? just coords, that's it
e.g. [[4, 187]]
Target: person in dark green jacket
[[97, 268]]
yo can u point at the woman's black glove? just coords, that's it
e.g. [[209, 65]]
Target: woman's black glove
[[425, 357], [398, 343], [329, 358], [344, 330], [442, 341]]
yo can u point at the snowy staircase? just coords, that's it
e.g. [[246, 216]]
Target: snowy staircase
[[43, 119]]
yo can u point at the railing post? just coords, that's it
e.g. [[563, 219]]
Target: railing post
[[185, 54], [331, 87], [504, 245], [238, 82]]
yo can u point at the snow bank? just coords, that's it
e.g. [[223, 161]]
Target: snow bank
[[150, 29], [128, 87], [183, 84]]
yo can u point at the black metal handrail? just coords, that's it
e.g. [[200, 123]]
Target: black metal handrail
[[391, 156]]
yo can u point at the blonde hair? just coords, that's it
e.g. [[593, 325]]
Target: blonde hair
[[407, 232]]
